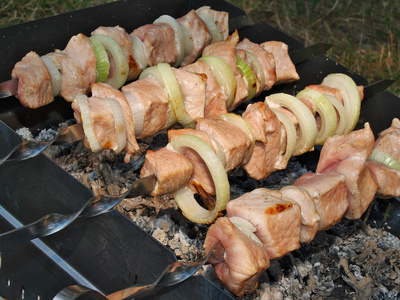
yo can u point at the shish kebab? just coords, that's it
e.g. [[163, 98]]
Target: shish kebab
[[112, 55]]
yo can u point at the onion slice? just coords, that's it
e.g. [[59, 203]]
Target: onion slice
[[246, 71], [246, 227], [245, 127], [119, 121], [154, 72], [54, 74], [350, 94], [120, 75], [223, 75], [102, 61], [291, 137], [139, 52], [87, 122], [185, 197], [384, 158], [258, 68], [179, 36], [307, 125], [175, 95], [342, 120], [326, 112]]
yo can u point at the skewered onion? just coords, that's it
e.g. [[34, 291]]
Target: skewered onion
[[54, 74]]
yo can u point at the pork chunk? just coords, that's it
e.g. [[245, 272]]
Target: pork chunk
[[104, 90], [172, 170], [234, 142], [329, 193], [149, 103], [309, 214], [35, 88], [267, 130], [277, 219], [244, 259], [215, 102], [388, 179], [159, 41], [197, 32], [285, 69], [347, 155]]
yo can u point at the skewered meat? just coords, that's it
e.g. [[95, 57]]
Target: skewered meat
[[104, 90], [149, 104], [285, 70], [268, 131], [309, 215], [347, 155], [277, 219], [329, 193], [227, 51], [34, 82], [171, 169], [244, 259]]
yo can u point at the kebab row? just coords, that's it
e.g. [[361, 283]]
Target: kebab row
[[266, 224], [165, 96], [112, 55]]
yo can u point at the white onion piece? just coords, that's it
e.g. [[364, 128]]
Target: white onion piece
[[87, 122], [179, 36], [102, 60], [211, 26], [119, 121], [326, 112], [185, 198], [120, 62], [247, 72], [245, 127], [342, 120], [307, 125], [54, 74], [384, 158], [350, 94], [258, 68], [139, 52], [246, 227], [291, 137], [175, 95], [223, 75], [154, 72]]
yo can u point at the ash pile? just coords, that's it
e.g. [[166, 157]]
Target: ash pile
[[349, 261]]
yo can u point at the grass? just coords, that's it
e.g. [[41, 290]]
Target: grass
[[365, 34]]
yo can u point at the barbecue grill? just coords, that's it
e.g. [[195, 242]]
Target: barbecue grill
[[110, 252]]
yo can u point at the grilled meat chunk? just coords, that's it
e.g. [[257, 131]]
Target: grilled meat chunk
[[347, 155], [159, 40], [309, 215], [215, 104], [234, 142], [329, 192], [149, 103], [285, 69], [268, 131], [265, 59], [35, 88], [277, 219], [198, 34], [244, 259], [104, 90], [172, 170]]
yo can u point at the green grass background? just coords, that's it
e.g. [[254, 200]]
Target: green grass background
[[365, 33]]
